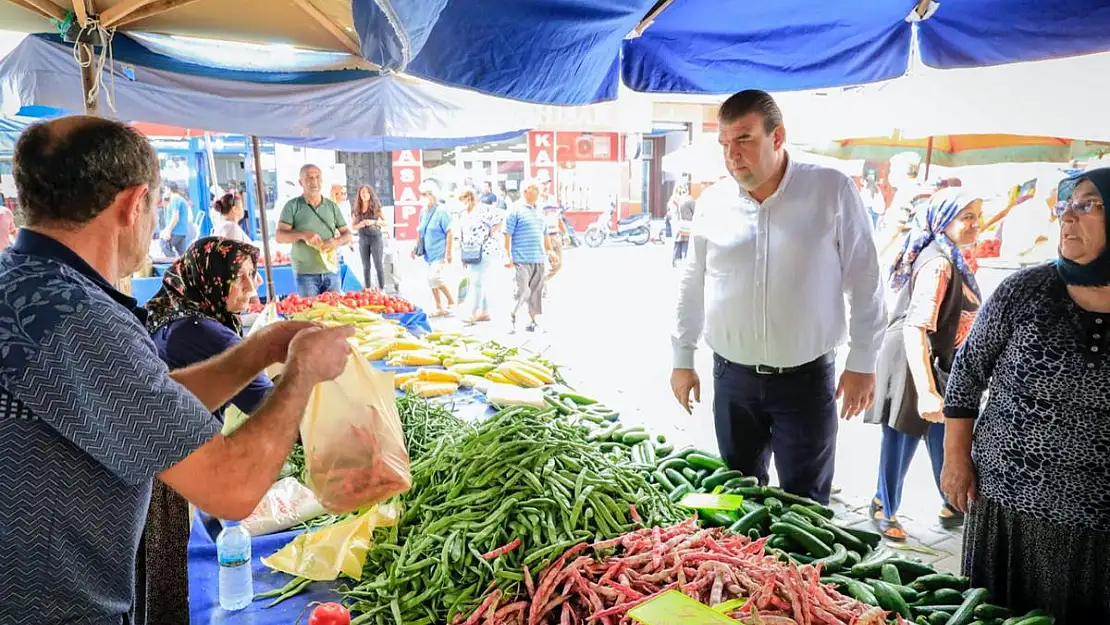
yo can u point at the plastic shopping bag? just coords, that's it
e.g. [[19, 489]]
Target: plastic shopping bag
[[326, 553], [353, 444], [268, 315], [286, 504]]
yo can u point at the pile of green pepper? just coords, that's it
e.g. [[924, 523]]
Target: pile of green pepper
[[494, 506]]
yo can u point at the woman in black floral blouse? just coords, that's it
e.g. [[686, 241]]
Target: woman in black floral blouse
[[1033, 467]]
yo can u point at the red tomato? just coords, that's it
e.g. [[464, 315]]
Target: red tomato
[[329, 614]]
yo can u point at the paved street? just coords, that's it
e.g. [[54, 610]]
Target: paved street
[[608, 321]]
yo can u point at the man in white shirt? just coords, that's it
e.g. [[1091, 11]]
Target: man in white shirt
[[773, 252]]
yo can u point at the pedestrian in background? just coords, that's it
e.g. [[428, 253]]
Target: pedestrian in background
[[684, 218], [937, 298], [478, 228], [317, 229], [775, 249], [434, 244], [526, 254], [368, 220]]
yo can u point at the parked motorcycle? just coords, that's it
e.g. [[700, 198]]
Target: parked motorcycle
[[635, 229]]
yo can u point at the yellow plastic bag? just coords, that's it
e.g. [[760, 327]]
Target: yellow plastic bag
[[340, 549], [330, 258], [353, 444]]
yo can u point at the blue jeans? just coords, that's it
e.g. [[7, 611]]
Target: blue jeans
[[313, 284], [791, 414], [479, 299], [894, 462]]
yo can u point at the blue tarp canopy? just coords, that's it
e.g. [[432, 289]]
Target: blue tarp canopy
[[576, 51], [320, 99]]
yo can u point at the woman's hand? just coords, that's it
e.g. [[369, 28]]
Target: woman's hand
[[931, 407], [958, 481]]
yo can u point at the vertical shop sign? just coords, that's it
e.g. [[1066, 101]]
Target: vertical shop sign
[[541, 155], [408, 170]]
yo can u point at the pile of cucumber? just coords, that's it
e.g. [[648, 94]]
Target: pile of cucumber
[[803, 531], [917, 593]]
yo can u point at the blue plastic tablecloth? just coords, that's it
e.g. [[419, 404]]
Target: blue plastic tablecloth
[[204, 603]]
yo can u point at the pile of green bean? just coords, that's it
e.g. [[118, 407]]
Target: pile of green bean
[[426, 424], [497, 505]]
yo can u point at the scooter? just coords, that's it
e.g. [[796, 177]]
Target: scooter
[[635, 229]]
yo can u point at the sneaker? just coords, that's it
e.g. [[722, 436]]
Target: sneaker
[[532, 327], [512, 324]]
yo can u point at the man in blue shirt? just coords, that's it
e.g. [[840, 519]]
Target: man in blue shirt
[[526, 251], [488, 196], [176, 232], [434, 235], [89, 414]]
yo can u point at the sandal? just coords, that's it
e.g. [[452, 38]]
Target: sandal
[[892, 530], [951, 518], [876, 510]]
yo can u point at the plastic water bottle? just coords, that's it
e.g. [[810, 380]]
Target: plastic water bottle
[[233, 549]]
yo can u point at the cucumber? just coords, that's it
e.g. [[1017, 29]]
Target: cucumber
[[1037, 620], [717, 518], [846, 539], [679, 492], [719, 479], [662, 480], [633, 438], [677, 464], [750, 493], [966, 613], [947, 595], [861, 592], [891, 599], [751, 520], [869, 538], [647, 452], [746, 481], [789, 498], [941, 580], [939, 618], [853, 558], [677, 478], [932, 609], [748, 505], [889, 574], [704, 461], [755, 534], [700, 474], [911, 569], [664, 450], [810, 514], [776, 542], [988, 611], [807, 541], [774, 505], [823, 535], [872, 565], [823, 511], [836, 580], [691, 475], [834, 562], [662, 440], [801, 558]]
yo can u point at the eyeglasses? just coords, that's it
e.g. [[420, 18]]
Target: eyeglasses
[[1078, 207]]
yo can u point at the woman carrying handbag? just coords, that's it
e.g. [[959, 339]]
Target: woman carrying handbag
[[477, 228]]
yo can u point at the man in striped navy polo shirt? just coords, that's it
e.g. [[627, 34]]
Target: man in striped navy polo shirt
[[526, 253]]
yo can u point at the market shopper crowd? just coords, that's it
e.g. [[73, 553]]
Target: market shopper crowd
[[774, 249]]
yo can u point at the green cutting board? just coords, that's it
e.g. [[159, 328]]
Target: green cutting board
[[707, 501]]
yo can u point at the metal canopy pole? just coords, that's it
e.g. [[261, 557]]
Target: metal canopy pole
[[260, 199]]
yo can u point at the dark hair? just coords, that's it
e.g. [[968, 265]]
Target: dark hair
[[69, 170], [751, 101], [371, 210], [225, 204]]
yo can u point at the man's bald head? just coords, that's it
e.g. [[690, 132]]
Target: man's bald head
[[69, 170]]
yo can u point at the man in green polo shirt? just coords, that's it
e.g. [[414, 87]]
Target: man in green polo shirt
[[316, 228]]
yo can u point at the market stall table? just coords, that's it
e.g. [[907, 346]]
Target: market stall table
[[285, 282]]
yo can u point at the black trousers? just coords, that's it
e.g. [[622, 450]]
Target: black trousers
[[370, 248], [791, 415]]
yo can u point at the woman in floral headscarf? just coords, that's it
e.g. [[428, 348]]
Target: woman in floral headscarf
[[936, 300], [193, 317]]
